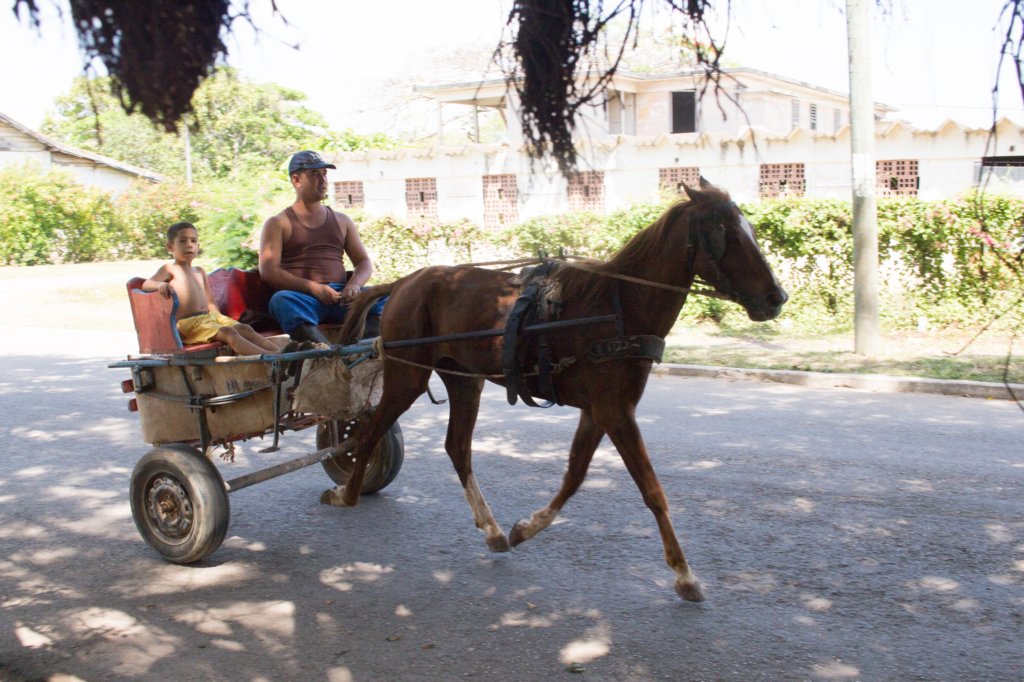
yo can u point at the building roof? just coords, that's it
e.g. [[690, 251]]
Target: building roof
[[491, 91], [62, 148]]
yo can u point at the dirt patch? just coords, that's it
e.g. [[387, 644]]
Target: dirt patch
[[89, 296]]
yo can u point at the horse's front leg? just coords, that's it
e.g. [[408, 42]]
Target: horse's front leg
[[584, 443], [464, 406], [623, 431]]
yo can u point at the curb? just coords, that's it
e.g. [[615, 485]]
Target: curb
[[864, 382]]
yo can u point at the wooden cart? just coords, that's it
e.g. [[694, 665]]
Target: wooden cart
[[192, 399]]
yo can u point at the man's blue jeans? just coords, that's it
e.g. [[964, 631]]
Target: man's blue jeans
[[292, 308]]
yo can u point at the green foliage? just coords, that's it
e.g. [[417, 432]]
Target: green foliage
[[232, 214], [398, 248], [237, 129], [943, 263], [50, 218], [90, 118], [580, 233], [146, 210]]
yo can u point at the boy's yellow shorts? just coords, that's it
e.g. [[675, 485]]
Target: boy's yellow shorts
[[202, 328]]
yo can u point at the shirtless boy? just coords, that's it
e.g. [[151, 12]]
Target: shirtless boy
[[199, 320]]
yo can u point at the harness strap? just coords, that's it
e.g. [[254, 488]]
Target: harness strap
[[645, 346], [513, 372], [524, 308]]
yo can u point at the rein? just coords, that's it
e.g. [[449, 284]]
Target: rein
[[565, 260]]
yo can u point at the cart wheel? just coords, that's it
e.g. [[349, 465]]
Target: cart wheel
[[179, 503], [384, 464]]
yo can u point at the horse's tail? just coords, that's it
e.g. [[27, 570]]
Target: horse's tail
[[355, 320]]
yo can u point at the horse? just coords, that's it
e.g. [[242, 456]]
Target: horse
[[622, 305]]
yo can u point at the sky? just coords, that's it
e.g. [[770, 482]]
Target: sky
[[932, 59]]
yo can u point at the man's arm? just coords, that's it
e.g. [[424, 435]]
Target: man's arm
[[271, 247], [159, 282], [361, 263]]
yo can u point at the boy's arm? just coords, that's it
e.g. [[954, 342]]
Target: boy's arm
[[159, 282], [211, 304]]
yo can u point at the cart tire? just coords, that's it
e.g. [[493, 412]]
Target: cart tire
[[384, 464], [179, 503]]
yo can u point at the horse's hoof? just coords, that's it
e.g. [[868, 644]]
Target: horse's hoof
[[498, 543], [690, 591], [518, 533], [329, 497]]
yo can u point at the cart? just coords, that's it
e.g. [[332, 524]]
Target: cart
[[194, 399]]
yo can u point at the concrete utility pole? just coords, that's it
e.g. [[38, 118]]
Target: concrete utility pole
[[865, 213], [188, 155]]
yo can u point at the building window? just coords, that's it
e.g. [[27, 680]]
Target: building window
[[782, 180], [1004, 167], [812, 111], [348, 194], [671, 180], [501, 201], [897, 178], [684, 112], [794, 113], [421, 198], [837, 120], [586, 191]]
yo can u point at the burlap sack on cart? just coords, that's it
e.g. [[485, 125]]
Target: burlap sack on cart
[[329, 388]]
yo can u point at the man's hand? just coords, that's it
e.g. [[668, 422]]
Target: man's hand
[[349, 293], [326, 294]]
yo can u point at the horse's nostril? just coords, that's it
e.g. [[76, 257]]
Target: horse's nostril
[[777, 297]]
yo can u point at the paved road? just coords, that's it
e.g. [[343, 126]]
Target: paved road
[[840, 535]]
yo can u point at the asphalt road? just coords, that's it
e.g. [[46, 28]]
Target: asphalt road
[[839, 535]]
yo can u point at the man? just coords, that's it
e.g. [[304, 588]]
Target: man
[[301, 255]]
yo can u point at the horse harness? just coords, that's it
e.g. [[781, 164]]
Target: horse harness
[[540, 302]]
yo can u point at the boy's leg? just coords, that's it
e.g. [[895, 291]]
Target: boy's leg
[[250, 334], [237, 342]]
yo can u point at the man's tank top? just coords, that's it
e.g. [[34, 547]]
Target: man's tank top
[[314, 254]]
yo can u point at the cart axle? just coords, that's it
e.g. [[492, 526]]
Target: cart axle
[[235, 484]]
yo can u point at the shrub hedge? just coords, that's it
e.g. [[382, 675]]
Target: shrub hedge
[[942, 263]]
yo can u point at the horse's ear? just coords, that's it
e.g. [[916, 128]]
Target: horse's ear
[[704, 184], [690, 192]]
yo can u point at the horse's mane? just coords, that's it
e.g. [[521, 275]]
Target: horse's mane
[[588, 286]]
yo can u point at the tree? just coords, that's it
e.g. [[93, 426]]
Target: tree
[[236, 128], [159, 51], [91, 118]]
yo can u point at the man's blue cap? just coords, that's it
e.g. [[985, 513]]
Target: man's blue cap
[[307, 160]]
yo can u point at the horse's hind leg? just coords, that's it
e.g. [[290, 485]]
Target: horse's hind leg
[[464, 406], [584, 443], [401, 389], [625, 434]]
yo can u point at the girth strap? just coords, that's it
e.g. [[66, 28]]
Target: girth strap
[[524, 306]]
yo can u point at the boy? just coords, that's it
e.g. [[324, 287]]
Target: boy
[[199, 320]]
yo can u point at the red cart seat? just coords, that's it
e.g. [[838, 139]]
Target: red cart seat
[[240, 294]]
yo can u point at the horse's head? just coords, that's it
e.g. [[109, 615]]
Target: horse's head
[[726, 255]]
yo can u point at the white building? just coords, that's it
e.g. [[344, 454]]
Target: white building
[[19, 145], [759, 136]]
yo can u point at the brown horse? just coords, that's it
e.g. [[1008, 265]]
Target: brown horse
[[644, 285]]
